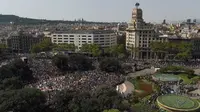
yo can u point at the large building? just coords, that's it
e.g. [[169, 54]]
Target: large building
[[103, 38], [22, 42], [140, 34]]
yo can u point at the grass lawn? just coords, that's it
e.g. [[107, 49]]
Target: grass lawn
[[178, 102], [195, 79], [185, 79]]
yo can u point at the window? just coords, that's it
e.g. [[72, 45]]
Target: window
[[107, 44], [65, 35], [65, 41], [54, 35], [83, 38], [71, 38], [71, 41], [66, 38], [59, 35], [101, 38], [89, 36], [71, 35], [59, 38], [84, 41], [83, 35], [54, 38], [55, 41], [101, 35]]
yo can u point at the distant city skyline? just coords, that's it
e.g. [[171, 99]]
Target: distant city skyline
[[102, 10]]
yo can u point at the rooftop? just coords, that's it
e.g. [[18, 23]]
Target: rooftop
[[85, 31]]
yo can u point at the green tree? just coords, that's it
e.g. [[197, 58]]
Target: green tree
[[65, 47], [110, 65], [159, 48], [91, 48], [115, 51], [95, 50], [108, 98], [85, 48], [45, 45], [24, 100], [12, 83], [36, 49], [79, 62], [62, 100], [2, 48], [61, 61], [16, 69], [184, 51], [111, 110]]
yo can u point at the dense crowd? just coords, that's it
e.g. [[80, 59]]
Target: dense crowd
[[141, 64], [50, 78], [189, 64]]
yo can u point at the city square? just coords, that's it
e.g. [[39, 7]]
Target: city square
[[81, 65]]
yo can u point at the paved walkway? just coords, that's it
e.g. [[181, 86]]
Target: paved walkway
[[141, 73], [197, 71]]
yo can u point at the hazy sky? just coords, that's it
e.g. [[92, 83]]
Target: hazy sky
[[102, 10]]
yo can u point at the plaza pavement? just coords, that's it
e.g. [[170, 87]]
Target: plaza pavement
[[142, 73]]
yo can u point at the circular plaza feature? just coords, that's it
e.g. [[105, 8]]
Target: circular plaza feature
[[166, 77], [176, 103]]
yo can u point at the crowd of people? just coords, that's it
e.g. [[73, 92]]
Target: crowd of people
[[51, 78], [189, 64]]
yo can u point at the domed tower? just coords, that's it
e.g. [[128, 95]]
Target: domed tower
[[137, 14]]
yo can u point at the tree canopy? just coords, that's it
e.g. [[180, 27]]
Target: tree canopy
[[181, 51], [16, 69], [74, 101], [72, 62], [11, 83], [23, 100], [111, 110], [91, 48], [177, 69], [116, 51], [64, 47], [45, 45], [110, 65]]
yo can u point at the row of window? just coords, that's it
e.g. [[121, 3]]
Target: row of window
[[151, 39], [104, 35], [71, 38], [86, 38], [82, 35]]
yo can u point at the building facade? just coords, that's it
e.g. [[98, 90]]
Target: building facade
[[103, 38], [140, 34], [22, 42]]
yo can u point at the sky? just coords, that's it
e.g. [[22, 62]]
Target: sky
[[102, 10]]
